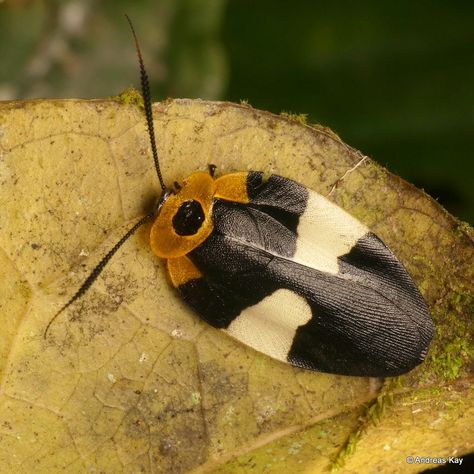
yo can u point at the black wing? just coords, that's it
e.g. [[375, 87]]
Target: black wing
[[297, 278]]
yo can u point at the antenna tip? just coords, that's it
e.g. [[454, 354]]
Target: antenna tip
[[129, 21], [51, 321]]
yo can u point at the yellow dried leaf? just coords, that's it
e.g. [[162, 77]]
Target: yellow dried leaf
[[129, 379]]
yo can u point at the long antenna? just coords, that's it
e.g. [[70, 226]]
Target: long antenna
[[99, 267], [147, 102]]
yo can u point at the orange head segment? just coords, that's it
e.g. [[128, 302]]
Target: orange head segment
[[184, 220]]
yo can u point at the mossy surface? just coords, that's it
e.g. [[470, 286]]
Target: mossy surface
[[130, 96]]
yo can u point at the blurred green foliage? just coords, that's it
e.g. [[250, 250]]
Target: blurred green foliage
[[393, 79]]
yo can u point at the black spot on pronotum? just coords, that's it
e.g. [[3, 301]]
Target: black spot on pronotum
[[189, 218]]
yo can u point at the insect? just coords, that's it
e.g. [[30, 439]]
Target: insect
[[283, 270]]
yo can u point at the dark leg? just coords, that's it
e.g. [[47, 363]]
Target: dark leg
[[212, 169]]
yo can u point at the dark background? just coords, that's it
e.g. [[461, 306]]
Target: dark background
[[393, 79]]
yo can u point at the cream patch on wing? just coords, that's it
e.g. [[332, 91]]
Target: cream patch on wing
[[270, 325], [325, 232]]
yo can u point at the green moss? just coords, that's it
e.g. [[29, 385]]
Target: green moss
[[373, 414], [448, 364], [298, 118], [348, 449], [453, 349], [462, 301], [384, 399], [130, 96], [463, 228], [426, 262], [434, 392]]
